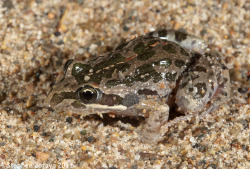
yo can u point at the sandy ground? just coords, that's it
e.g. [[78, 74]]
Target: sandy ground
[[37, 37]]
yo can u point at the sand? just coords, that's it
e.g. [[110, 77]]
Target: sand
[[36, 39]]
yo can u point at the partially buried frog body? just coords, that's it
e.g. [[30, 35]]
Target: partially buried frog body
[[144, 77]]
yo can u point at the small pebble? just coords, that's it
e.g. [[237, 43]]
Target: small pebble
[[42, 157], [69, 120], [36, 128], [90, 139], [242, 90]]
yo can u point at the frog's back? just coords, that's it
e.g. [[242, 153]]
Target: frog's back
[[144, 62]]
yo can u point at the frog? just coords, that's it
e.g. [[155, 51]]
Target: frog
[[146, 76]]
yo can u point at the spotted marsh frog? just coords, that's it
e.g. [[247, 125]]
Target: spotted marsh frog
[[146, 76]]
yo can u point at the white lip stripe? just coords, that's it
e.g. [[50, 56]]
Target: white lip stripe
[[98, 106]]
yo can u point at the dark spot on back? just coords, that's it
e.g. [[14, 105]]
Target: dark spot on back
[[162, 33], [139, 48], [179, 63], [144, 70], [180, 36], [107, 67], [147, 72], [184, 52], [129, 80], [123, 67], [145, 55], [156, 76], [169, 48], [79, 70]]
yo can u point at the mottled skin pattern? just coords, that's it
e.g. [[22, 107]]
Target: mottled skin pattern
[[139, 77]]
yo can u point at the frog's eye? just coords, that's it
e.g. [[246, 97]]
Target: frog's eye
[[88, 94], [66, 65]]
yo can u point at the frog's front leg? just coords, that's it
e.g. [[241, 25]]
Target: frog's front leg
[[151, 130]]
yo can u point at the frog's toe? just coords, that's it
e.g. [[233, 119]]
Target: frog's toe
[[151, 137], [151, 131], [188, 104]]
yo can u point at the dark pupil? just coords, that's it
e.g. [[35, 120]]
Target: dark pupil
[[88, 95]]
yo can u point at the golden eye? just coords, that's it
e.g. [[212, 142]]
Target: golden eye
[[88, 94]]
